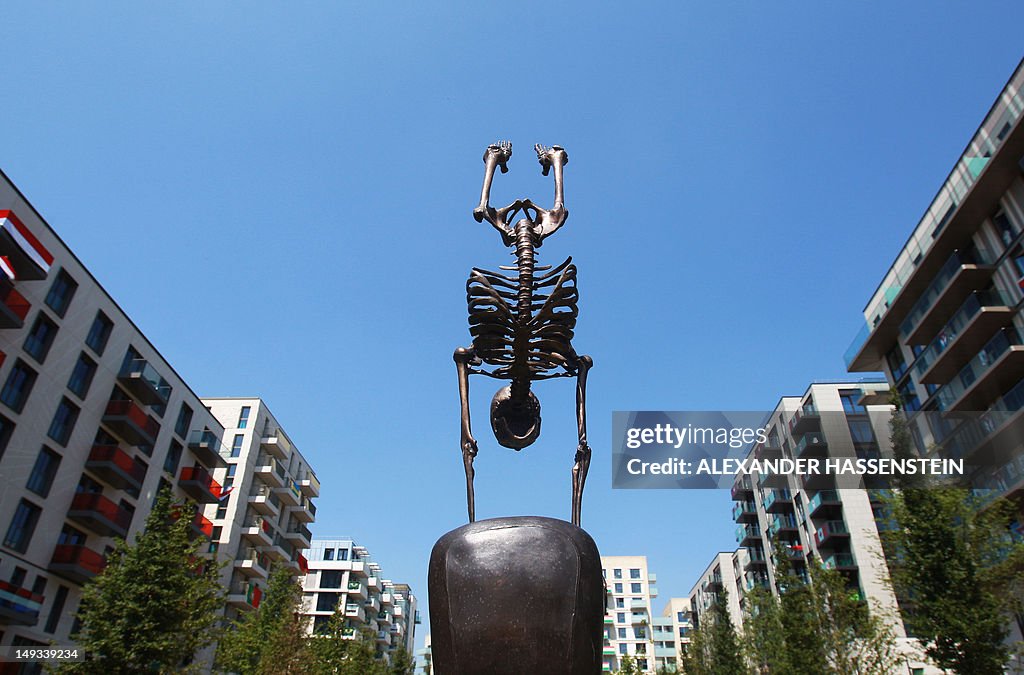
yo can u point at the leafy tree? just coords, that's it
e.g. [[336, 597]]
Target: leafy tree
[[627, 666], [402, 662], [155, 604], [269, 639], [954, 568], [764, 642], [342, 650], [714, 647]]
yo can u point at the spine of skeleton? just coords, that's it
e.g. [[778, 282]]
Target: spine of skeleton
[[525, 262]]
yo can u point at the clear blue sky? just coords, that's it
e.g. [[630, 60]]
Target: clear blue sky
[[280, 195]]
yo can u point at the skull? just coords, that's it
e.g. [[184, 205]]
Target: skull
[[516, 424]]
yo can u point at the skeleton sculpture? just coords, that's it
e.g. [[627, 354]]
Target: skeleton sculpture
[[522, 324]]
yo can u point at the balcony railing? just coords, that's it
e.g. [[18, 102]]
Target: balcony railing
[[782, 522], [744, 509], [950, 395], [115, 466], [77, 562], [200, 485], [952, 330], [774, 499], [824, 498], [939, 284], [747, 532], [207, 447], [804, 419], [144, 382], [839, 561], [19, 606], [830, 530], [130, 423], [810, 442], [742, 488], [100, 514]]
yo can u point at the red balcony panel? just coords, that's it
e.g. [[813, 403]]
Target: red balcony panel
[[116, 466], [303, 564], [200, 485], [203, 525], [13, 305], [19, 606], [130, 422], [100, 514], [26, 255], [78, 562]]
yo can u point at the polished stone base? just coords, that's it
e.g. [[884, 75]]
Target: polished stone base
[[516, 595]]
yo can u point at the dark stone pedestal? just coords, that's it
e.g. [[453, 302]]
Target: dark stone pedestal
[[516, 595]]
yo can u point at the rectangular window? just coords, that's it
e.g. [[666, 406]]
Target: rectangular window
[[634, 588], [6, 430], [23, 524], [184, 421], [40, 338], [634, 573], [623, 648], [61, 292], [99, 333], [236, 445], [81, 376], [63, 421], [618, 588], [56, 610], [620, 603], [18, 386], [173, 457], [620, 617], [326, 602], [617, 574], [222, 511], [243, 417], [330, 579], [328, 554], [342, 554], [41, 478], [622, 633]]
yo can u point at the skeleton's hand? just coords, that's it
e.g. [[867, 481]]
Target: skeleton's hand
[[548, 156], [501, 152]]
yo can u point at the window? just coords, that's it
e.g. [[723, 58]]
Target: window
[[342, 554], [40, 338], [620, 603], [634, 574], [620, 617], [634, 588], [99, 333], [243, 417], [18, 576], [39, 585], [222, 511], [236, 445], [23, 524], [330, 579], [61, 292], [622, 633], [63, 421], [81, 376], [617, 574], [69, 536], [328, 554], [18, 386], [56, 610], [6, 429], [41, 478], [850, 404], [326, 602], [861, 431], [618, 588], [173, 457], [640, 632], [184, 421], [622, 648]]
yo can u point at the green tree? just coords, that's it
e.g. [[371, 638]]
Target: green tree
[[402, 662], [155, 604], [727, 656], [858, 641], [764, 642], [340, 649], [269, 639], [944, 552], [627, 666]]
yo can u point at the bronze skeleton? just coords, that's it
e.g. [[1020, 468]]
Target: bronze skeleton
[[522, 324]]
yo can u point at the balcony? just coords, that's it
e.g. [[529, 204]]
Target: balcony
[[265, 501], [748, 534], [143, 381], [258, 530], [270, 471], [201, 526], [755, 559], [804, 420], [994, 436], [100, 515], [782, 523], [251, 563], [744, 512], [206, 447], [276, 443], [27, 255], [970, 328], [115, 466], [384, 637], [357, 589], [275, 551], [830, 533], [306, 511], [128, 421], [742, 488], [778, 500], [710, 585], [818, 481], [245, 595], [78, 563], [840, 561], [290, 495], [355, 611], [197, 483], [811, 445], [769, 450], [19, 606], [997, 367], [826, 501], [299, 535], [13, 306], [310, 485], [752, 580]]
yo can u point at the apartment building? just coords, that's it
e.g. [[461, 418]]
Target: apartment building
[[628, 619], [945, 325], [93, 422], [268, 489], [425, 659], [343, 575], [724, 574], [672, 634]]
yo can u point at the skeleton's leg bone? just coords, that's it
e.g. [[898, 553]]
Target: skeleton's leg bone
[[582, 463], [463, 358]]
